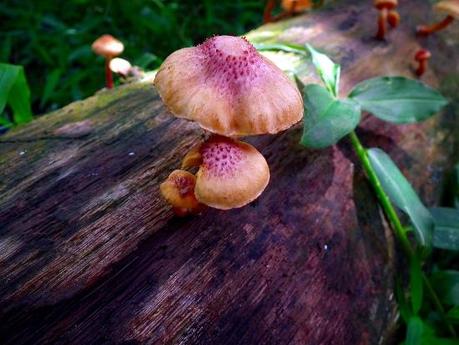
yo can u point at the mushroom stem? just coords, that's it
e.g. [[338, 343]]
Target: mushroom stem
[[422, 67], [382, 19], [267, 14], [429, 29], [108, 74]]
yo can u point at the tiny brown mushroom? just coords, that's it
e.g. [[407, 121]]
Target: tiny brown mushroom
[[178, 190], [387, 13], [450, 8], [422, 56], [228, 88], [108, 47]]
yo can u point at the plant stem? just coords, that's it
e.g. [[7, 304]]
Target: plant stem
[[394, 220]]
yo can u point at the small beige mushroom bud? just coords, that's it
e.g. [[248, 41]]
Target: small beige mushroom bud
[[178, 190]]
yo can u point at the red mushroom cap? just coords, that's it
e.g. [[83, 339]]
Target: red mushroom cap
[[422, 54], [388, 4]]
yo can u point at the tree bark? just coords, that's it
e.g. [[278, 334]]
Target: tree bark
[[91, 254]]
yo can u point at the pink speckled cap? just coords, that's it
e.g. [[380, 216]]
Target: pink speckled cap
[[231, 173], [230, 89]]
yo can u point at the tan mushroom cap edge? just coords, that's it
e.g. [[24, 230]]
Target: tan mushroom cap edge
[[228, 88], [108, 46], [231, 174]]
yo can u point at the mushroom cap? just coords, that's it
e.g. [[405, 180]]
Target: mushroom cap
[[120, 66], [422, 54], [450, 7], [388, 4], [297, 5], [108, 46], [232, 173], [178, 190], [230, 89]]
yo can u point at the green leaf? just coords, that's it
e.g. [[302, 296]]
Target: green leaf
[[329, 71], [398, 99], [439, 341], [416, 284], [414, 331], [327, 119], [402, 303], [403, 195], [15, 92], [446, 228], [453, 315], [446, 283]]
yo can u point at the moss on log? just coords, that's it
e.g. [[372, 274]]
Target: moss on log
[[91, 254]]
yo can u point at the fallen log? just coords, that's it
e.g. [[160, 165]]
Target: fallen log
[[91, 254]]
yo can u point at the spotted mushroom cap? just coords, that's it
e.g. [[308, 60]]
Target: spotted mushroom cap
[[450, 7], [108, 46], [178, 190], [388, 4], [231, 173], [230, 89], [298, 5]]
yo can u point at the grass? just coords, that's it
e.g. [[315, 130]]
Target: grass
[[52, 40]]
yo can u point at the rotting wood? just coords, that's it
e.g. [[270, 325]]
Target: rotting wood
[[90, 253]]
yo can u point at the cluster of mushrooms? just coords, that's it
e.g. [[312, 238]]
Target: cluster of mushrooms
[[388, 14], [109, 47], [230, 90]]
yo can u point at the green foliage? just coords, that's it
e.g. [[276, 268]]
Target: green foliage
[[416, 285], [398, 99], [402, 195], [14, 91], [328, 71], [447, 285], [446, 228], [52, 40], [414, 331], [327, 119]]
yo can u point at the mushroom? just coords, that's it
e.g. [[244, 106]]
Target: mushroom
[[290, 7], [296, 6], [387, 13], [120, 66], [226, 86], [178, 190], [422, 56], [108, 47], [450, 7], [231, 173]]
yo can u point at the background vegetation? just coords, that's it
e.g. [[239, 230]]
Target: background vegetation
[[52, 39]]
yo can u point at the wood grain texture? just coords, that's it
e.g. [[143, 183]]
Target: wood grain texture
[[91, 254]]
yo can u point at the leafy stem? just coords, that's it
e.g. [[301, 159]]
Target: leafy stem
[[393, 218]]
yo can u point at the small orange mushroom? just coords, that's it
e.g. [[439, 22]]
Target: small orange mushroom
[[289, 7], [422, 56], [230, 89], [387, 13], [178, 190], [231, 173], [450, 8], [108, 47]]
